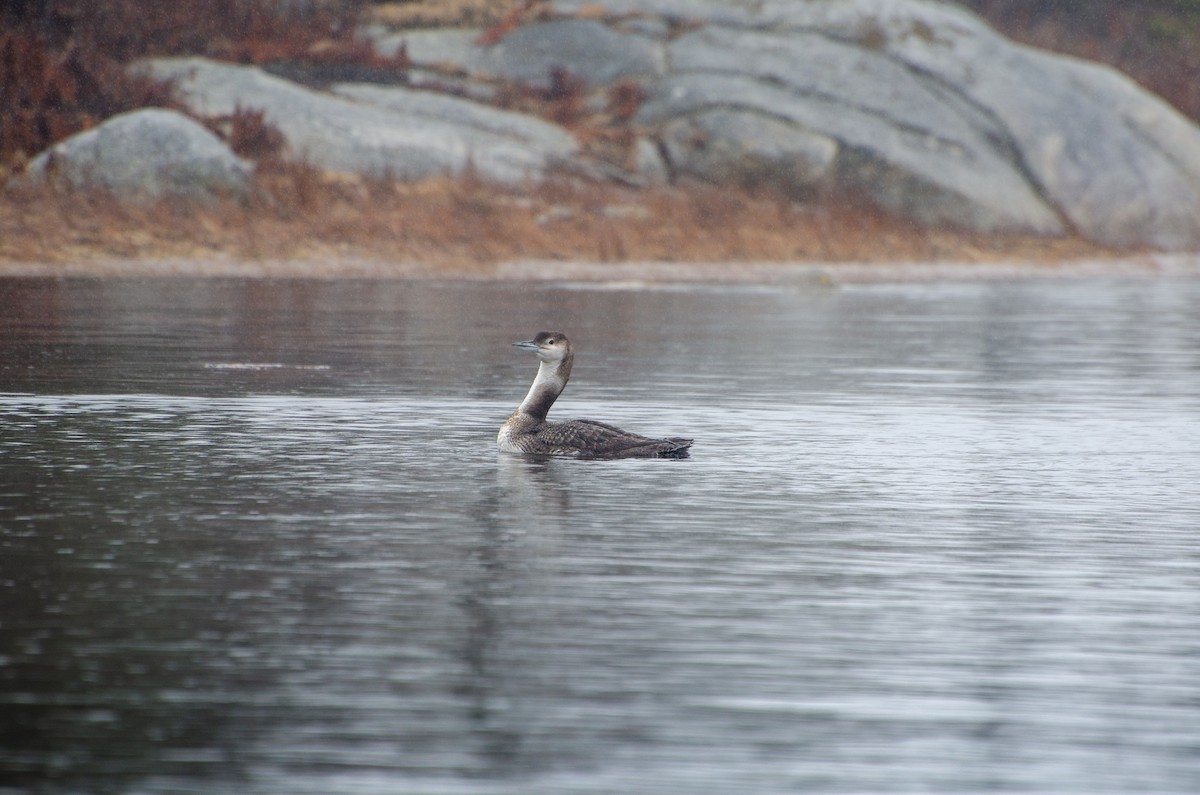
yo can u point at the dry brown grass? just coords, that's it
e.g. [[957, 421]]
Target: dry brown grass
[[440, 13], [464, 225]]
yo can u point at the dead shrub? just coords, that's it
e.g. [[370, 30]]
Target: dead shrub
[[47, 94], [64, 63]]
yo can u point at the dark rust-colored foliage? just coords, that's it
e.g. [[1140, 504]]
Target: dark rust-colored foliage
[[561, 100], [63, 63], [625, 97], [606, 132], [247, 31], [49, 93], [248, 133], [565, 96], [512, 20]]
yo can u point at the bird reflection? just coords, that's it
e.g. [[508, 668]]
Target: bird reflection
[[518, 523]]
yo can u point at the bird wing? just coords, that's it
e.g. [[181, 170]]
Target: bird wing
[[599, 439]]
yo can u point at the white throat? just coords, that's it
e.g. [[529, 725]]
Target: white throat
[[547, 380]]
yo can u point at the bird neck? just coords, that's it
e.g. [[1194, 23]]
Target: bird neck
[[547, 386]]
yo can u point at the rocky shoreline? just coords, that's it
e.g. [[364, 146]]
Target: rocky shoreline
[[912, 108]]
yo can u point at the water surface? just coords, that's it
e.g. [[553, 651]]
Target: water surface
[[255, 537]]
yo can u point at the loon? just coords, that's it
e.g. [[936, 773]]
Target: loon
[[527, 430]]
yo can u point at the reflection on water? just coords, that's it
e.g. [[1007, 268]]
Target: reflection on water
[[255, 537]]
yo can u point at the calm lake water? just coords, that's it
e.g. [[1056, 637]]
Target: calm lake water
[[255, 537]]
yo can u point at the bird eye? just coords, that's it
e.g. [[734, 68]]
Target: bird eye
[[550, 341]]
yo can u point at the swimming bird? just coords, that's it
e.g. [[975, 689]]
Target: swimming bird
[[528, 431]]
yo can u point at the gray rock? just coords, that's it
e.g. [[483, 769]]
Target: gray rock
[[338, 133], [930, 178], [436, 56], [736, 13], [895, 134], [145, 155], [586, 48], [735, 147], [1122, 167], [914, 103], [431, 47], [648, 163], [934, 115], [442, 108]]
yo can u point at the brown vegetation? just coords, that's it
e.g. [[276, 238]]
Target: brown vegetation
[[63, 62], [464, 224], [438, 13], [249, 135], [47, 94], [245, 31]]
